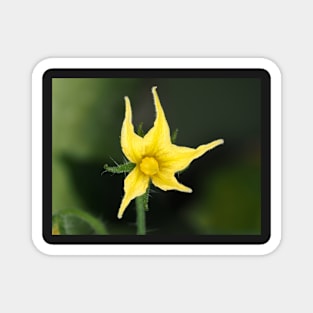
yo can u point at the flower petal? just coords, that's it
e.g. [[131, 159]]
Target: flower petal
[[135, 185], [177, 158], [167, 181], [158, 137], [132, 144]]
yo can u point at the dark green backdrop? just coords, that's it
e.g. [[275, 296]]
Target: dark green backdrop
[[87, 120]]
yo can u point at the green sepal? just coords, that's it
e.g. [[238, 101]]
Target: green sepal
[[146, 198], [174, 135], [140, 130], [119, 169]]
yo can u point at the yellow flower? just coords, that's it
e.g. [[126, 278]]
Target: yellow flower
[[156, 158]]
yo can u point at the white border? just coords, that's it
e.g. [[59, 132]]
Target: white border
[[152, 249]]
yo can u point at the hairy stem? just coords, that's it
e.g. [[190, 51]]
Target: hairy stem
[[141, 217]]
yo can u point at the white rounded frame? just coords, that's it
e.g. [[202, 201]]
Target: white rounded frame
[[156, 249]]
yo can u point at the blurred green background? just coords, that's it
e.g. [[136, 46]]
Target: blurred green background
[[226, 182]]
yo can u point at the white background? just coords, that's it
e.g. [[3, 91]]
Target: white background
[[33, 30]]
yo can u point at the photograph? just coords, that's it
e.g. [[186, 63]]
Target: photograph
[[156, 155]]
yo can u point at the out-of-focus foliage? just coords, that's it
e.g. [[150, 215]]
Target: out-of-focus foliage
[[87, 119], [76, 222]]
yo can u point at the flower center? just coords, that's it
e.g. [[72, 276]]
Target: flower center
[[149, 166]]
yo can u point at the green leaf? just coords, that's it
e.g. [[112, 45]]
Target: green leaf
[[76, 222]]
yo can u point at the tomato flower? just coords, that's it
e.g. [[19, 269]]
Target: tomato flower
[[155, 157]]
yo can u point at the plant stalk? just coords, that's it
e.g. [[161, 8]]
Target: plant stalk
[[141, 215]]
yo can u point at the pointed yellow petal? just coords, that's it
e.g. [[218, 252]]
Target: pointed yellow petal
[[178, 158], [132, 144], [135, 185], [158, 136], [167, 181]]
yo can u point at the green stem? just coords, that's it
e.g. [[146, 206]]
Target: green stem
[[141, 218]]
